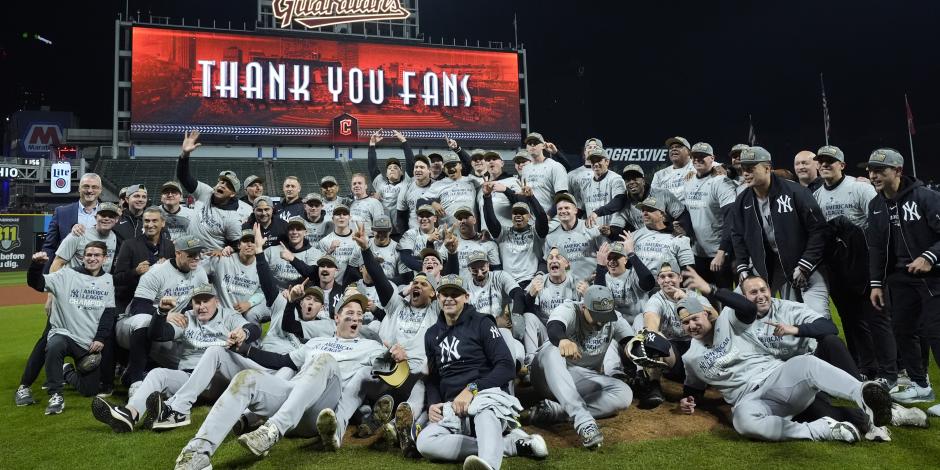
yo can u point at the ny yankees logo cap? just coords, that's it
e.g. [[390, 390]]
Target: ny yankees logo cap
[[754, 155], [830, 151], [109, 207], [189, 244], [677, 140], [203, 290], [885, 158], [736, 150], [451, 282], [703, 149], [600, 302]]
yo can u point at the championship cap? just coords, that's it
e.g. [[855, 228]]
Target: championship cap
[[263, 200], [689, 305], [109, 207], [313, 197], [597, 153], [247, 234], [492, 155], [477, 154], [229, 178], [520, 208], [564, 197], [314, 291], [451, 282], [596, 141], [451, 158], [252, 179], [534, 137], [134, 188], [600, 302], [522, 155], [633, 168], [430, 252], [340, 207], [677, 140], [462, 212], [203, 290], [326, 260], [189, 244], [617, 249], [830, 151], [356, 297], [296, 221], [754, 155], [122, 193], [476, 257], [653, 203], [327, 180], [885, 158], [702, 148], [393, 161], [426, 209], [172, 185], [736, 150], [382, 224]]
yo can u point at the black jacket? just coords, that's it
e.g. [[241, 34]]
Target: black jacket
[[847, 256], [128, 227], [918, 211], [470, 351], [132, 253], [800, 230]]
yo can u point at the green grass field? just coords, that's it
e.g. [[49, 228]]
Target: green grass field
[[74, 440]]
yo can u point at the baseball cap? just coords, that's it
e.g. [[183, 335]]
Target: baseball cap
[[702, 148], [426, 278], [476, 257], [492, 155], [561, 251], [451, 282], [435, 156], [424, 159], [597, 153], [171, 185], [534, 136], [134, 188], [122, 192], [426, 209], [314, 291], [358, 298], [392, 161], [522, 155], [462, 212], [326, 260], [451, 158], [109, 207], [689, 305], [203, 290], [596, 142], [312, 197], [752, 155], [653, 203], [262, 200], [830, 151], [247, 233], [618, 249], [520, 207], [382, 224], [885, 158], [564, 197], [328, 180], [296, 221], [340, 208], [634, 168], [252, 179], [430, 252], [229, 178], [677, 140], [189, 244], [736, 150], [477, 154], [600, 302]]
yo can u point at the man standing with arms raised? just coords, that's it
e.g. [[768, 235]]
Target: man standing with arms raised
[[218, 221]]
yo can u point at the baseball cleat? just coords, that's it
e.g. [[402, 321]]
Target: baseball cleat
[[912, 393], [260, 441], [842, 431], [69, 375], [591, 437], [171, 420], [326, 427], [384, 409], [901, 416], [533, 447], [193, 461], [543, 413], [24, 396], [876, 403], [652, 396], [886, 384], [118, 417], [878, 434], [472, 462], [405, 428], [56, 404], [155, 410], [388, 438]]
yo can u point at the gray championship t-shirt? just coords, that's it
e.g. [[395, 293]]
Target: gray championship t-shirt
[[592, 343], [80, 300], [705, 198], [72, 248], [215, 226], [655, 248], [849, 198], [283, 272], [181, 222], [350, 354], [164, 280], [673, 179], [198, 336], [581, 244], [408, 201], [546, 179], [488, 298]]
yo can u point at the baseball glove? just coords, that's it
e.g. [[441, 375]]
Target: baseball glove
[[393, 373], [89, 362], [649, 349]]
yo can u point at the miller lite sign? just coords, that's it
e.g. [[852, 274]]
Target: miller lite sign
[[345, 128], [60, 178]]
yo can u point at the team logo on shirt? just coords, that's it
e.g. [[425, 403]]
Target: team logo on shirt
[[449, 349], [495, 332], [9, 237], [910, 211], [784, 204]]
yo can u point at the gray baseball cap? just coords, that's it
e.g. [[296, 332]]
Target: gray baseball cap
[[830, 151], [326, 260], [423, 159], [634, 168], [753, 155], [703, 149], [262, 200], [617, 248], [230, 178], [426, 278], [134, 188], [430, 252], [477, 154], [600, 302], [189, 244], [451, 282], [476, 257], [252, 179], [492, 155], [520, 207], [677, 140], [393, 161], [463, 212], [451, 158], [382, 224], [109, 207], [522, 155], [885, 158], [340, 208], [203, 290], [563, 197], [328, 180], [653, 203], [737, 149], [171, 185], [426, 209], [313, 197], [691, 305], [248, 234], [598, 153], [534, 136], [561, 251], [595, 140], [314, 291], [296, 221]]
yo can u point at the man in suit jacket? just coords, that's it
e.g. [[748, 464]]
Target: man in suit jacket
[[66, 217]]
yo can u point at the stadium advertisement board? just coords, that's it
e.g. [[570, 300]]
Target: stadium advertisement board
[[240, 87], [17, 237]]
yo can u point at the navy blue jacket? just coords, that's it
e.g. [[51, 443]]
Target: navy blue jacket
[[470, 351], [800, 229], [918, 211], [63, 219]]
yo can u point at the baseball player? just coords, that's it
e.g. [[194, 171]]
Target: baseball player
[[317, 225], [453, 193], [487, 289], [330, 189], [395, 179], [291, 259], [763, 390], [418, 238], [363, 208], [547, 177], [386, 250], [244, 281], [547, 291], [655, 244], [709, 198], [519, 243], [469, 368], [302, 406], [294, 319], [598, 191], [339, 244], [501, 204], [80, 322], [289, 206], [178, 217], [273, 228], [580, 243], [254, 188], [567, 372], [202, 335], [672, 178], [410, 197], [216, 207], [622, 271], [471, 241], [174, 278], [630, 217], [72, 249], [582, 176]]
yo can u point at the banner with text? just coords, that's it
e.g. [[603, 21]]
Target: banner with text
[[289, 89], [650, 159], [17, 237]]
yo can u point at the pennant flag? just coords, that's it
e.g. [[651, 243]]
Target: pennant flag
[[910, 117], [751, 135], [825, 108]]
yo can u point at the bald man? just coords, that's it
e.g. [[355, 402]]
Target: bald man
[[807, 170]]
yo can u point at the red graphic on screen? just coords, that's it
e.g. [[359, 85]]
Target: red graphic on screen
[[290, 89]]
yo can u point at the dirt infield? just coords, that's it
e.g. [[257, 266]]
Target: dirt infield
[[20, 295]]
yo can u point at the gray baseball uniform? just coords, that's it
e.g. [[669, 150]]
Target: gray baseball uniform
[[597, 193], [278, 341], [581, 244], [520, 252], [579, 178], [455, 194], [390, 192], [790, 313], [235, 282], [628, 296], [501, 206], [72, 248], [552, 295], [467, 247], [388, 258], [705, 198], [664, 307], [408, 201], [346, 254]]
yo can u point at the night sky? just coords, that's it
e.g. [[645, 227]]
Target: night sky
[[631, 73]]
